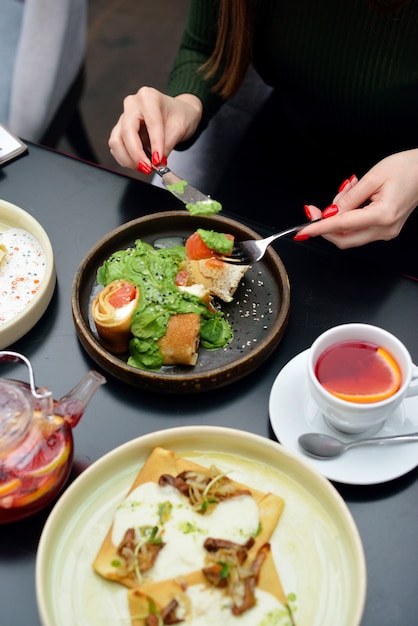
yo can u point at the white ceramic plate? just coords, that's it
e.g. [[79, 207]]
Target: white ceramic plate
[[11, 216], [293, 413], [316, 545]]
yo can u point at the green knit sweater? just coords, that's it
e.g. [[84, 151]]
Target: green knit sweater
[[341, 67]]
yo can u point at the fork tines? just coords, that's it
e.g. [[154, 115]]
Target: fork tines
[[237, 256]]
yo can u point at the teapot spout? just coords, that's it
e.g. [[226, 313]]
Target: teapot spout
[[73, 405]]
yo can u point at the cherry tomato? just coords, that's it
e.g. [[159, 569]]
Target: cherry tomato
[[196, 249], [181, 278], [122, 296], [215, 263]]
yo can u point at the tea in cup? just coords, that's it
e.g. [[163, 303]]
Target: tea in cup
[[358, 375]]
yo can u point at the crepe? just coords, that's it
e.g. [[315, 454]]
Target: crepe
[[113, 324], [180, 343], [193, 597], [220, 278], [201, 505], [163, 462]]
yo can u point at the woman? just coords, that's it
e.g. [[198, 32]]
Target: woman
[[344, 75]]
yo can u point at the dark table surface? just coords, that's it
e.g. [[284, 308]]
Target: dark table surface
[[78, 203]]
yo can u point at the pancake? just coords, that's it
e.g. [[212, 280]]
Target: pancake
[[180, 343], [220, 278], [114, 323], [193, 601], [229, 511]]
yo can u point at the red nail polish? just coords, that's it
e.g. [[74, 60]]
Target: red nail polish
[[301, 237], [353, 177], [156, 158], [307, 212], [164, 160], [330, 211], [343, 185], [144, 167]]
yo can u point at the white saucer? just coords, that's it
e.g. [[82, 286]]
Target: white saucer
[[293, 413]]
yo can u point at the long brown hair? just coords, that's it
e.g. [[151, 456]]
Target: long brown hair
[[233, 51], [234, 46]]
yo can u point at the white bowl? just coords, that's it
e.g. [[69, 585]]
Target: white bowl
[[11, 216]]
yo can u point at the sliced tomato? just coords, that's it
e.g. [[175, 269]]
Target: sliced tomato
[[181, 278], [215, 263], [122, 296], [196, 249]]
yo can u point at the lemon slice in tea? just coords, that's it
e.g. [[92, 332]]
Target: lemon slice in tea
[[358, 372]]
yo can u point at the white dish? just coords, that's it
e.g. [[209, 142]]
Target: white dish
[[316, 544], [11, 216], [293, 413]]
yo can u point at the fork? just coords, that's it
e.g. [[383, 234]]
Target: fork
[[251, 251]]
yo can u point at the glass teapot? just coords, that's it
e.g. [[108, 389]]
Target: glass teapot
[[36, 442]]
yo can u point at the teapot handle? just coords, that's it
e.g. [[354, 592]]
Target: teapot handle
[[43, 395]]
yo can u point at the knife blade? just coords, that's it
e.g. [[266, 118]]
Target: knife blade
[[197, 203]]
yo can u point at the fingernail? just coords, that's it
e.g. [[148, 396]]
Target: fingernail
[[352, 177], [307, 212], [301, 237], [330, 211], [144, 167], [164, 160], [343, 185], [156, 158]]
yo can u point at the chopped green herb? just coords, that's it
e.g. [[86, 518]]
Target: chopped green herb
[[189, 527], [164, 511], [225, 570]]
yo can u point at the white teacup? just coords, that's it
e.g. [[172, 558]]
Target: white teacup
[[354, 417]]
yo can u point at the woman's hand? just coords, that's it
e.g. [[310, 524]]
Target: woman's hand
[[388, 194], [155, 120]]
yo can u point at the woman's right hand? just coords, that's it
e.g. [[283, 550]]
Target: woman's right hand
[[155, 120]]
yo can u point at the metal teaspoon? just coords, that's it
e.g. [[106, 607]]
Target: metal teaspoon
[[324, 446]]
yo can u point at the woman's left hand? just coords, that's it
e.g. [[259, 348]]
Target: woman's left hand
[[373, 208]]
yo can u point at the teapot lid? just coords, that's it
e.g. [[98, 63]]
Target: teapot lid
[[15, 414]]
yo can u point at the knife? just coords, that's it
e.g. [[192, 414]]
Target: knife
[[197, 203]]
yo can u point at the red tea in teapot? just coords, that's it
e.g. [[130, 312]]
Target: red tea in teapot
[[35, 472], [358, 371], [36, 442]]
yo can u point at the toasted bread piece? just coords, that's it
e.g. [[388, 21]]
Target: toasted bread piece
[[180, 343], [220, 278]]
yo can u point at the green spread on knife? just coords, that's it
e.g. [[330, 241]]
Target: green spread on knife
[[178, 187], [206, 207]]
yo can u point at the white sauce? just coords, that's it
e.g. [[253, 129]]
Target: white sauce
[[211, 608], [22, 273], [196, 290], [124, 311], [185, 531]]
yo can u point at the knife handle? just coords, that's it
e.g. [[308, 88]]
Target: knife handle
[[161, 169]]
